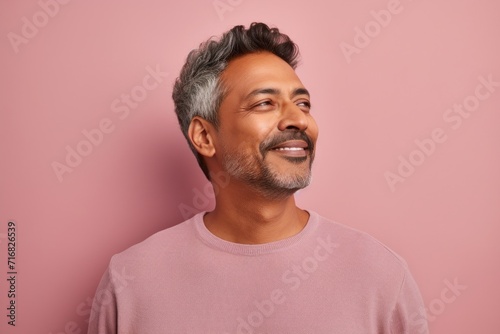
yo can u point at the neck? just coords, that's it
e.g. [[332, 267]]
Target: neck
[[248, 217]]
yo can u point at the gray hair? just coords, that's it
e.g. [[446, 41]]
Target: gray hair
[[198, 91]]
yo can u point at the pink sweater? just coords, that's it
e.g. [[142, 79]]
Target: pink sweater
[[327, 279]]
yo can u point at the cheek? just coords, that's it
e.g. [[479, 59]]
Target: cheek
[[254, 129], [236, 141]]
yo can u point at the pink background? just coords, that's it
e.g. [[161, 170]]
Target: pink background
[[371, 107]]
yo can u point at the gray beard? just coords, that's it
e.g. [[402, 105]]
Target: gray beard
[[259, 176]]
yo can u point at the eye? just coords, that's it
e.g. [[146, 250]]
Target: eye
[[304, 105], [263, 105]]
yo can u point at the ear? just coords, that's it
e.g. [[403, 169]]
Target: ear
[[200, 134]]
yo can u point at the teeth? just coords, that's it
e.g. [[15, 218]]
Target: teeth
[[289, 148]]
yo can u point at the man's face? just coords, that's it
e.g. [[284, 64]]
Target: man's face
[[267, 135]]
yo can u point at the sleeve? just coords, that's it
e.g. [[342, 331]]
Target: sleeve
[[103, 316], [409, 314]]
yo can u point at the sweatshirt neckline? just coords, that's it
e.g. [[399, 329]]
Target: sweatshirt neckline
[[251, 250]]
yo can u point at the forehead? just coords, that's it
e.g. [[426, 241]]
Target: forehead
[[257, 70]]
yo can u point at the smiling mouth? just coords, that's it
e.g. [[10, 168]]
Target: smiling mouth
[[291, 145], [293, 154], [292, 149], [289, 149]]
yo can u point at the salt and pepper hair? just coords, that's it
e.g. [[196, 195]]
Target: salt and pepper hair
[[198, 91]]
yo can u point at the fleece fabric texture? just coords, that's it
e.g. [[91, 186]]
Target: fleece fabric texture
[[328, 278]]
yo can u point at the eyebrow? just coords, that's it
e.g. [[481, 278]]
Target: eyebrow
[[274, 91]]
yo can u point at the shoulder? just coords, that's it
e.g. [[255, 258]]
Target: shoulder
[[161, 246], [361, 248]]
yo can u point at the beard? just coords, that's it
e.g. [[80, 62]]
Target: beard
[[259, 174]]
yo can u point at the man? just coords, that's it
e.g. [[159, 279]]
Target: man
[[257, 263]]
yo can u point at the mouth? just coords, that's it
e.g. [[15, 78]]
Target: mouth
[[292, 148]]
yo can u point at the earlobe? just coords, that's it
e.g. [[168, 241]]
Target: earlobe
[[200, 135]]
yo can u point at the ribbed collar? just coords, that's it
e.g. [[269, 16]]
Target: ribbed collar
[[251, 250]]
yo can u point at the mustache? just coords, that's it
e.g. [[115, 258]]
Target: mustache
[[284, 136]]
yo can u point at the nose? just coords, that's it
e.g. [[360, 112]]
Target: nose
[[293, 118]]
